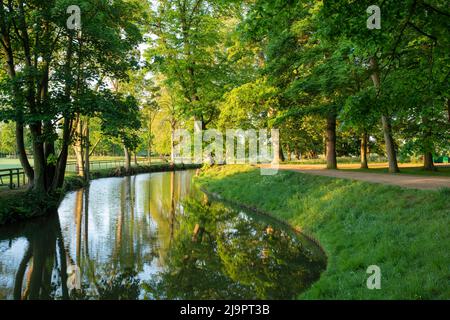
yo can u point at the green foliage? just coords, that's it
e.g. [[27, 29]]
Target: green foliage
[[248, 106], [17, 206], [317, 56], [7, 138], [120, 119]]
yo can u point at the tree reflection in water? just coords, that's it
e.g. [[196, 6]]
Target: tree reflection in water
[[219, 253], [43, 269]]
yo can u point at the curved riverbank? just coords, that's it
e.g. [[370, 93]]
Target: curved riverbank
[[251, 209], [20, 205], [358, 224]]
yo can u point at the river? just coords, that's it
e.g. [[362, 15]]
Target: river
[[153, 236]]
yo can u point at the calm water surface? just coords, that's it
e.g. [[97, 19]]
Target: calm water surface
[[153, 237]]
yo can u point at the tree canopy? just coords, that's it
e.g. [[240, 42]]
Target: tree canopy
[[136, 71]]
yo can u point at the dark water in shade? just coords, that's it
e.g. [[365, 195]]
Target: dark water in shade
[[153, 237]]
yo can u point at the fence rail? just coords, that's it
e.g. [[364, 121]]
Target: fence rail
[[93, 165], [13, 178]]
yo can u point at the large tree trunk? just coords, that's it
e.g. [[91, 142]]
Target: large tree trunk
[[387, 130], [390, 145], [39, 185], [331, 142], [364, 141], [49, 152], [58, 181], [78, 148], [428, 163], [23, 154], [62, 159]]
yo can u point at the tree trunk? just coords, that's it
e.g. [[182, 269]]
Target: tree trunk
[[78, 147], [331, 142], [280, 156], [49, 153], [390, 145], [289, 152], [297, 154], [86, 153], [39, 186], [172, 146], [364, 141], [62, 159], [150, 141], [23, 154], [127, 159], [58, 181], [387, 130], [428, 163], [448, 109]]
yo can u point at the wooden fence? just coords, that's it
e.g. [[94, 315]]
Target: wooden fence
[[96, 165], [13, 178]]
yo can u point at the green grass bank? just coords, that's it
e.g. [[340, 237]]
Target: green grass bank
[[404, 232]]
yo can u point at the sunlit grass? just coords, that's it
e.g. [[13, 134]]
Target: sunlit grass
[[403, 231]]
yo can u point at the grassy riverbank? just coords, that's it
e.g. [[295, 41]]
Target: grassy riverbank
[[404, 232], [19, 205]]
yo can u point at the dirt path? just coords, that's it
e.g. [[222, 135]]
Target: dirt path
[[401, 180]]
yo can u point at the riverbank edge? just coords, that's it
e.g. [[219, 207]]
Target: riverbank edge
[[252, 209], [21, 205], [334, 283]]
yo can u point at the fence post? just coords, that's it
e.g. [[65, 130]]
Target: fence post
[[18, 179], [10, 179]]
